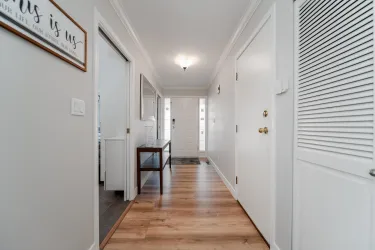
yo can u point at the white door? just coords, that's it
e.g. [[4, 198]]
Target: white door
[[113, 81], [334, 193], [255, 68], [184, 115]]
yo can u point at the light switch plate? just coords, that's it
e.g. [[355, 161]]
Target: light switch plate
[[281, 86], [77, 107]]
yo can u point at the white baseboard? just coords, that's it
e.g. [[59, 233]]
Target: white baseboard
[[223, 178], [93, 247], [143, 182], [274, 247]]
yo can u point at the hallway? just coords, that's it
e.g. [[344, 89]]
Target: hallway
[[197, 211], [277, 95]]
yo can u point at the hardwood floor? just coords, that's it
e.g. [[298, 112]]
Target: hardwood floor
[[196, 212]]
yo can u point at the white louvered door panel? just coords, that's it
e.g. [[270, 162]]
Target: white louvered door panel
[[335, 74], [334, 199]]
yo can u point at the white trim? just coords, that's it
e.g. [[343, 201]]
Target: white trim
[[99, 21], [223, 178], [262, 22], [273, 246], [125, 21], [135, 193], [94, 247], [295, 123], [270, 14], [252, 7]]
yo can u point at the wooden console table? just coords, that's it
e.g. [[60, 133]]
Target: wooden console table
[[156, 162]]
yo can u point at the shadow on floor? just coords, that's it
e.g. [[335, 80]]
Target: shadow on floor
[[111, 206]]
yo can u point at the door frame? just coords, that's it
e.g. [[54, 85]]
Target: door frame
[[270, 14], [100, 22]]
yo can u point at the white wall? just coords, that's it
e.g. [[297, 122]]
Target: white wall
[[221, 121], [221, 107], [184, 92], [46, 154]]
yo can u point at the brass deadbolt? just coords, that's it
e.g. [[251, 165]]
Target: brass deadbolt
[[263, 130], [265, 113]]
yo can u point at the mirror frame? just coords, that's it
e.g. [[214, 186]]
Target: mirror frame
[[158, 115], [142, 82]]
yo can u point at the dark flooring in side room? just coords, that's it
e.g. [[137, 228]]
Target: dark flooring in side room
[[111, 206]]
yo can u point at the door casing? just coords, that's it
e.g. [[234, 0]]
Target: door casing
[[270, 14], [100, 22]]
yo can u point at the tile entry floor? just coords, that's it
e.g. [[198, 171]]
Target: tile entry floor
[[111, 206]]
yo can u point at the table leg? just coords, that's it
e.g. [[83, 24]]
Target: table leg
[[170, 155], [139, 172], [161, 171]]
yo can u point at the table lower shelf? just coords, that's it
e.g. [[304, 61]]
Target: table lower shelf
[[153, 162]]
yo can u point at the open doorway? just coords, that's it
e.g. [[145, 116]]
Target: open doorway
[[113, 77]]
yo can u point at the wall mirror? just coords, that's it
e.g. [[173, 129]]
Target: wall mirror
[[158, 116], [148, 99]]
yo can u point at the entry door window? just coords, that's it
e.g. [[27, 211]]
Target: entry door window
[[167, 118], [202, 124]]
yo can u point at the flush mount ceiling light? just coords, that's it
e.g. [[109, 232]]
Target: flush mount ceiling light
[[185, 61]]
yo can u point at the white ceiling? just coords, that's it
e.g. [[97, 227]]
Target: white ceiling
[[199, 28]]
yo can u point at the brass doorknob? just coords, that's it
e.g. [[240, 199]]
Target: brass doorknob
[[263, 130]]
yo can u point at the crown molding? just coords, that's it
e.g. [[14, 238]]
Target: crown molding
[[252, 7], [125, 21]]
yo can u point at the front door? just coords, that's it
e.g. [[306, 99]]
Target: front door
[[254, 120], [184, 113], [334, 186]]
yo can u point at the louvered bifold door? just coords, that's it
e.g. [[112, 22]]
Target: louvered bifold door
[[335, 84]]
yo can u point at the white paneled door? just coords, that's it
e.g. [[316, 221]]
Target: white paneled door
[[334, 180], [184, 115], [254, 112]]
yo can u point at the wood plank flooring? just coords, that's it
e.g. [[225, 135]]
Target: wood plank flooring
[[196, 211]]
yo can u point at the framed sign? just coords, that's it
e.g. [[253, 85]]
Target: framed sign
[[47, 25]]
